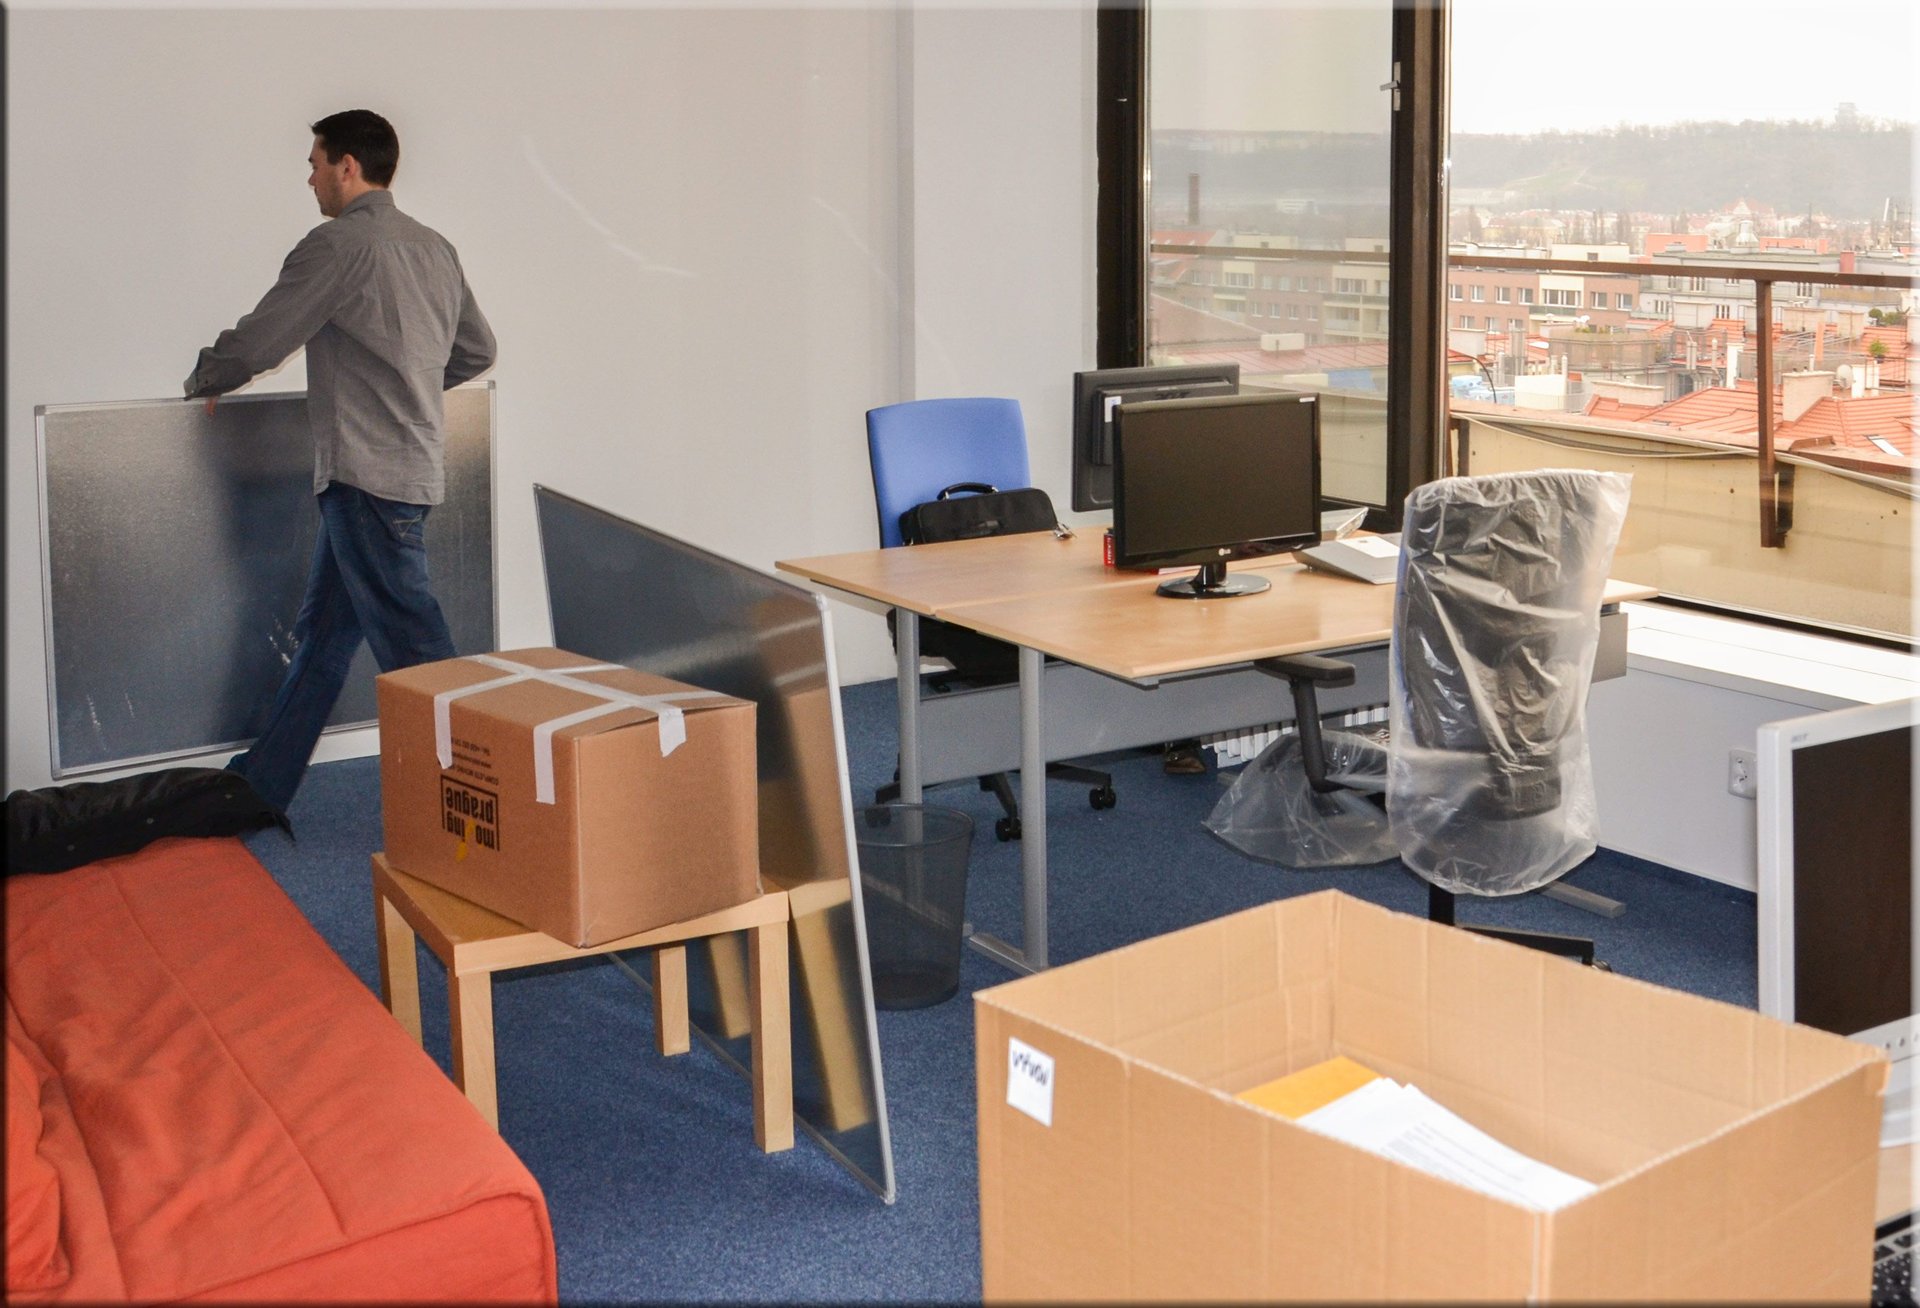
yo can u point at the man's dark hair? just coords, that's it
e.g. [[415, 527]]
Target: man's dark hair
[[366, 136]]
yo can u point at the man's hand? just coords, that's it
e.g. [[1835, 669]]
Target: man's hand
[[211, 401]]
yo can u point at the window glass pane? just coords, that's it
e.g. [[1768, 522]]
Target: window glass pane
[[1286, 175], [1794, 159]]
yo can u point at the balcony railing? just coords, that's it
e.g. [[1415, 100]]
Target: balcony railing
[[1776, 474]]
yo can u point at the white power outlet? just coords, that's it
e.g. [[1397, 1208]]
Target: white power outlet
[[1742, 773]]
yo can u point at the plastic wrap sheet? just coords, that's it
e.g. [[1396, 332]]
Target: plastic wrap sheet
[[1272, 813], [1489, 785]]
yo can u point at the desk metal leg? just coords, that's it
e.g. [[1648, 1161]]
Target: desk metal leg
[[1032, 955], [906, 652]]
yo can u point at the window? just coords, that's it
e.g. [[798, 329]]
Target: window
[[1503, 295], [1477, 294], [1516, 324], [1668, 169], [1239, 279], [1453, 291], [1468, 321], [1526, 295], [1216, 115]]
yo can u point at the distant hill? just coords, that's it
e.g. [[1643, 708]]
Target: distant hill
[[1844, 172]]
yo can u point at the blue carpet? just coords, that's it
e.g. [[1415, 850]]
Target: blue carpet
[[656, 1189]]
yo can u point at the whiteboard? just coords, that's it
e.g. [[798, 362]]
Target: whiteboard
[[174, 552]]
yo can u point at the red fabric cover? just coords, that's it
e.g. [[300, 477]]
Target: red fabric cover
[[35, 1260], [233, 1115]]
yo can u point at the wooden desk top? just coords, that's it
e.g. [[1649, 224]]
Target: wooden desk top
[[1058, 596], [930, 578], [1131, 632]]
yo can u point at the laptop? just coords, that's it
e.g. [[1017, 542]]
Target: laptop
[[1893, 1261], [1374, 559]]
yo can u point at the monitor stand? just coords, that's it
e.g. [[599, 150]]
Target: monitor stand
[[1212, 582]]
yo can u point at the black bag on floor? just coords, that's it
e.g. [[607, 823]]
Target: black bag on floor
[[64, 827], [969, 510]]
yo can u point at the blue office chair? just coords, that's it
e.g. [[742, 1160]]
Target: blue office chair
[[918, 449]]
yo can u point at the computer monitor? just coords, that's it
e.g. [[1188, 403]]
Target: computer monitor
[[1203, 481], [1838, 919], [1096, 393]]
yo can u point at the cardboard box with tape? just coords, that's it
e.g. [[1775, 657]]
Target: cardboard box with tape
[[584, 799], [1732, 1157]]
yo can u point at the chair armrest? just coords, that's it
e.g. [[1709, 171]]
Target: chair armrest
[[1331, 673]]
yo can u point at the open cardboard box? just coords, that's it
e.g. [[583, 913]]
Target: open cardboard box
[[1735, 1154]]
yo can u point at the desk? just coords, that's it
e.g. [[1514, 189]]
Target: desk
[[1055, 598]]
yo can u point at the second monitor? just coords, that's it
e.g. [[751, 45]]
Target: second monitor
[[1202, 481]]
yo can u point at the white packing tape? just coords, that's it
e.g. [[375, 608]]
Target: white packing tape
[[673, 725]]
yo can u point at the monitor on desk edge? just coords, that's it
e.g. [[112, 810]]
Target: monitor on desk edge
[[1202, 481], [1097, 392], [1838, 918]]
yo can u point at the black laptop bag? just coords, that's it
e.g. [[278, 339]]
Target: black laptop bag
[[969, 510]]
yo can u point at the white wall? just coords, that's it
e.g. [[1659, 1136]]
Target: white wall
[[708, 241], [1698, 686]]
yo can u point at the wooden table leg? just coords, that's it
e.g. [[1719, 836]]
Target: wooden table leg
[[399, 968], [772, 1040], [470, 1015], [670, 1027]]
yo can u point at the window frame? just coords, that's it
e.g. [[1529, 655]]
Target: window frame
[[1417, 235]]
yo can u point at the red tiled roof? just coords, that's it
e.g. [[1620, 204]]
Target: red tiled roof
[[1836, 427], [1848, 422], [1177, 324]]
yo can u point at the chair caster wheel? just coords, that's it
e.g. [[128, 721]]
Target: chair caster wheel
[[1102, 797], [1007, 828]]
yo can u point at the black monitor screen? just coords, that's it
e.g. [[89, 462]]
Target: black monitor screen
[[1096, 393], [1853, 866], [1201, 481]]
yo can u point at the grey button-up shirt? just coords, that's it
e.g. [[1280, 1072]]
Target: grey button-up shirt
[[389, 323]]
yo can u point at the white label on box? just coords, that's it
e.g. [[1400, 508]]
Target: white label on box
[[1030, 1081]]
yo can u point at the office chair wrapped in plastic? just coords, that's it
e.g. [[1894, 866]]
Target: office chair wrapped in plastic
[[1486, 772], [1496, 624], [1272, 811]]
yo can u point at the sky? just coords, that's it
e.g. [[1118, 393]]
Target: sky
[[1640, 62], [1530, 65]]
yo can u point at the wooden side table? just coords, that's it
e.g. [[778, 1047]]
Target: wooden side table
[[474, 943]]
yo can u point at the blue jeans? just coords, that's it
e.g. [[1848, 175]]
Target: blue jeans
[[368, 581]]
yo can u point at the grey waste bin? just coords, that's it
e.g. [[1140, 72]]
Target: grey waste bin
[[913, 883]]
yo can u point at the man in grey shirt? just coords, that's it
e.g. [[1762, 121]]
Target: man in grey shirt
[[381, 305]]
